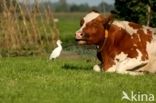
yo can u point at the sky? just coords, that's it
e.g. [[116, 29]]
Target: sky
[[90, 2]]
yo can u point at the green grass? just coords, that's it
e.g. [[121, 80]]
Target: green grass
[[36, 80], [68, 24]]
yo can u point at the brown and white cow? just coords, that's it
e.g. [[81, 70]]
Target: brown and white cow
[[123, 47]]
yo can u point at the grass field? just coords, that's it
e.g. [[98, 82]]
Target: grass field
[[36, 80], [69, 79]]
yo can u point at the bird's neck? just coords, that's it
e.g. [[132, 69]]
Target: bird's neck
[[59, 45]]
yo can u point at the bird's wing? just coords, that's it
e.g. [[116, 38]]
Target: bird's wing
[[55, 53], [52, 54]]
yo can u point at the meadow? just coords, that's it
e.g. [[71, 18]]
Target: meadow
[[68, 79]]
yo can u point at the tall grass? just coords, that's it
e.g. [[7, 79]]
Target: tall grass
[[25, 29]]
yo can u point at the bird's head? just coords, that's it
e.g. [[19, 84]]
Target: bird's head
[[59, 42]]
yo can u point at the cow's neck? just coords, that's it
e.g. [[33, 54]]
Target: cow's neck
[[101, 46]]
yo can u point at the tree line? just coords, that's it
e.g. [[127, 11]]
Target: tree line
[[63, 6]]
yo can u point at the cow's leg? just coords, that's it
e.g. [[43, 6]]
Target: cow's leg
[[97, 68], [111, 69], [123, 71]]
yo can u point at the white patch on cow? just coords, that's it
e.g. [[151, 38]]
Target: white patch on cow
[[124, 25], [91, 16], [139, 37], [88, 18], [151, 47], [135, 45], [145, 28], [112, 69], [119, 24], [139, 54], [154, 36], [96, 68], [132, 37], [119, 58]]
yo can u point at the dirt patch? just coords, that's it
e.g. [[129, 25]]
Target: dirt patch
[[70, 55]]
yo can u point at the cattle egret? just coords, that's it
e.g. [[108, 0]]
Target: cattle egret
[[56, 52]]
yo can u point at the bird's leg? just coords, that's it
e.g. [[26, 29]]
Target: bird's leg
[[53, 59]]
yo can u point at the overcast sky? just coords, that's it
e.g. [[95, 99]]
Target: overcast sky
[[90, 2]]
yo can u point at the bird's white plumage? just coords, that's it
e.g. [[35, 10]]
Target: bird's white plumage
[[57, 51]]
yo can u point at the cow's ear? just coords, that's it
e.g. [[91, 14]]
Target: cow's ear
[[108, 21]]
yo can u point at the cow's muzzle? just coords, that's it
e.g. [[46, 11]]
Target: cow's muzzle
[[79, 38]]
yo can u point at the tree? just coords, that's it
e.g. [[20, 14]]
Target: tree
[[139, 11], [104, 7], [79, 8]]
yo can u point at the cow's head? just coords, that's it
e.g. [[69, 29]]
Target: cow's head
[[93, 27]]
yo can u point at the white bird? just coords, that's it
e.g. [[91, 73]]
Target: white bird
[[57, 51]]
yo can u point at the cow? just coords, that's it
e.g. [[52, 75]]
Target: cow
[[122, 46]]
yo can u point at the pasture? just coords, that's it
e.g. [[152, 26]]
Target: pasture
[[68, 79]]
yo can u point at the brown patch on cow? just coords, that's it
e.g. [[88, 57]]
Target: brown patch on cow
[[100, 18], [145, 37], [134, 25], [108, 21]]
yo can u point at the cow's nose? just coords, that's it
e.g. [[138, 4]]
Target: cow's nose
[[79, 35]]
